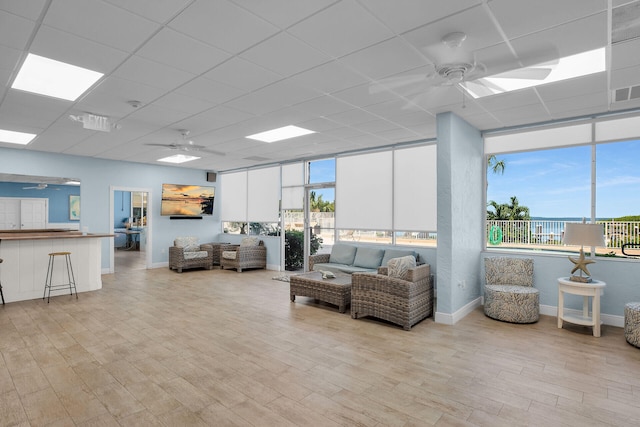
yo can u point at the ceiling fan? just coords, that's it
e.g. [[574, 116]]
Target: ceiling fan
[[457, 67], [185, 144], [39, 187]]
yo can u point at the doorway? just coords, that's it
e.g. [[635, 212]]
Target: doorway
[[130, 222]]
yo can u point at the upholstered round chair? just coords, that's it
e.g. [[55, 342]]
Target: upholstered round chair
[[632, 323], [509, 294]]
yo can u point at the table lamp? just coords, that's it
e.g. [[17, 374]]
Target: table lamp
[[584, 235]]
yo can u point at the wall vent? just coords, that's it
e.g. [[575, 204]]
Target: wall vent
[[626, 93]]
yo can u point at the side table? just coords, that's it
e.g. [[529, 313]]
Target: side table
[[592, 289]]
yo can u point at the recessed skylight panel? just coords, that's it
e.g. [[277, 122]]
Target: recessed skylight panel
[[13, 137], [280, 134], [178, 158], [49, 77]]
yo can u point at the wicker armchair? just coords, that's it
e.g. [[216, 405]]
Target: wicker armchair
[[403, 302], [509, 294], [248, 254], [187, 253]]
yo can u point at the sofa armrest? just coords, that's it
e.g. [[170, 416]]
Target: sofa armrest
[[207, 247], [419, 273], [318, 259], [229, 247]]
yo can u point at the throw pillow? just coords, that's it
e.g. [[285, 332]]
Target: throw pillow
[[191, 248], [368, 257], [229, 254], [342, 254], [399, 267], [395, 253], [250, 241]]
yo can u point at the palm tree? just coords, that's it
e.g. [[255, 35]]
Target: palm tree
[[497, 166]]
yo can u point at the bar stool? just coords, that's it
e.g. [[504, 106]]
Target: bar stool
[[1, 294], [70, 276]]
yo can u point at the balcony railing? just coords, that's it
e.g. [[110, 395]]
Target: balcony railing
[[549, 233]]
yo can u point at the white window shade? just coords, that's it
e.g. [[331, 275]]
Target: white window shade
[[292, 197], [264, 195], [364, 191], [293, 174], [617, 130], [234, 196], [538, 139], [415, 193], [293, 186]]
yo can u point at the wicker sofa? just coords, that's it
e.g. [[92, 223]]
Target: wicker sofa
[[186, 252], [250, 253], [355, 259], [404, 302]]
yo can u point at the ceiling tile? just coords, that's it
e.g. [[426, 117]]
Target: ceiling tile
[[625, 77], [209, 90], [525, 114], [95, 20], [27, 9], [111, 95], [223, 24], [62, 46], [151, 73], [625, 55], [14, 30], [332, 30], [384, 59], [272, 10], [242, 74], [156, 10], [474, 22], [177, 50], [567, 107], [26, 109], [570, 38], [330, 77], [323, 105], [285, 55], [541, 14], [273, 97], [415, 13]]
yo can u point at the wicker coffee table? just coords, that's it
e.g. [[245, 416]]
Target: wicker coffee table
[[334, 291]]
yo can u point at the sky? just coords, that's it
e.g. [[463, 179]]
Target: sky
[[557, 183]]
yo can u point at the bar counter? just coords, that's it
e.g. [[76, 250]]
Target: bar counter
[[26, 257]]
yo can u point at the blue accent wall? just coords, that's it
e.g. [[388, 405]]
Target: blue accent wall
[[121, 207], [58, 196]]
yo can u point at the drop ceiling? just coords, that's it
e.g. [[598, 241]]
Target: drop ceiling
[[225, 69]]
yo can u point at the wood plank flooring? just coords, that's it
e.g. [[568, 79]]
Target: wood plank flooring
[[218, 348]]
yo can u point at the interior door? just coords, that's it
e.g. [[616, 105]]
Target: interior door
[[33, 214], [9, 214]]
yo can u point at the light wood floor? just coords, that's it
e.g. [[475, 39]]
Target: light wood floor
[[155, 347]]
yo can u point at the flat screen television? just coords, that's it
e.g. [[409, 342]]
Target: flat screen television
[[187, 200]]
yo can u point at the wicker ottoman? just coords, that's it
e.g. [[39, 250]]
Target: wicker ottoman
[[632, 323], [334, 291]]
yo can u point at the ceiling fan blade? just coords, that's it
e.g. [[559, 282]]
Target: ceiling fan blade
[[162, 145], [219, 153], [392, 83], [525, 73]]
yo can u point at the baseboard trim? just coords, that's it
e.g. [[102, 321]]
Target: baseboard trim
[[453, 318]]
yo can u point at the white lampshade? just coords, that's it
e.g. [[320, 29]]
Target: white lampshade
[[584, 234]]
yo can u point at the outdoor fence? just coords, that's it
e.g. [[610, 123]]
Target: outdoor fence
[[551, 232]]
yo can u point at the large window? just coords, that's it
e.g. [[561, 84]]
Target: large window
[[531, 195]]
